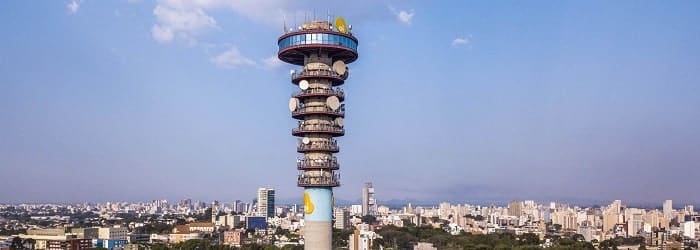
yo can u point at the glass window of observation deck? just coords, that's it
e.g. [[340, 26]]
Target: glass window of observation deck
[[318, 39]]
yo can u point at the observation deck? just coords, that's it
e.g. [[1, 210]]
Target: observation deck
[[297, 45]]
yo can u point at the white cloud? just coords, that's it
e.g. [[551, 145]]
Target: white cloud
[[405, 16], [462, 41], [162, 34], [259, 10], [185, 21], [459, 41], [174, 21], [272, 62], [73, 6], [231, 59]]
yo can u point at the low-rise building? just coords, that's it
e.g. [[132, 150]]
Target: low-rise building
[[235, 237], [112, 233], [362, 240]]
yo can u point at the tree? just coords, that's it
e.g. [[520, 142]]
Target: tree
[[293, 247], [608, 245], [340, 237], [578, 237], [369, 219], [529, 239], [16, 243]]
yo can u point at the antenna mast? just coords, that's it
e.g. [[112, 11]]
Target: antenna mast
[[284, 24]]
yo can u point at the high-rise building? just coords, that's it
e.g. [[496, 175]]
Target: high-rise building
[[323, 50], [668, 209], [369, 203], [214, 211], [266, 202], [689, 209], [616, 206], [635, 221], [342, 218], [238, 206], [515, 208]]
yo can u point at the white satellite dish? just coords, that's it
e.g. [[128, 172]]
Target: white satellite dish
[[339, 121], [333, 102], [305, 140], [291, 72], [304, 84], [339, 67], [293, 104]]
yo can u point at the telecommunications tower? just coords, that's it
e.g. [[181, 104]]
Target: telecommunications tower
[[323, 50]]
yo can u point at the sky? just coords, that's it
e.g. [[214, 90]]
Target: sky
[[449, 100]]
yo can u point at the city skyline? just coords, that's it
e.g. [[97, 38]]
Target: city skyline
[[135, 100]]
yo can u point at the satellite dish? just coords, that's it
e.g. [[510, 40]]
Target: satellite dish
[[339, 67], [340, 25], [293, 104], [339, 121], [305, 140], [333, 102], [304, 84], [291, 72]]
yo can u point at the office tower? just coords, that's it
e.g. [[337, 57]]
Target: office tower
[[323, 50], [369, 204], [668, 209], [266, 202]]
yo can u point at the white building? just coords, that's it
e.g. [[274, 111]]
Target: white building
[[112, 233], [362, 240], [342, 218], [369, 202], [689, 229], [356, 209], [266, 202], [668, 209]]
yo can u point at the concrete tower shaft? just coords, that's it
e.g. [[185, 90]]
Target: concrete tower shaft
[[323, 53]]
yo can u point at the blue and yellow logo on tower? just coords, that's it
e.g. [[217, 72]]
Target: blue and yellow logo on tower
[[318, 204]]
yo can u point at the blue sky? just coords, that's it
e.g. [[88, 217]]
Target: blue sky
[[450, 100]]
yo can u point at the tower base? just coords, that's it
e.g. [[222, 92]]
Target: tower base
[[318, 218], [318, 235]]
